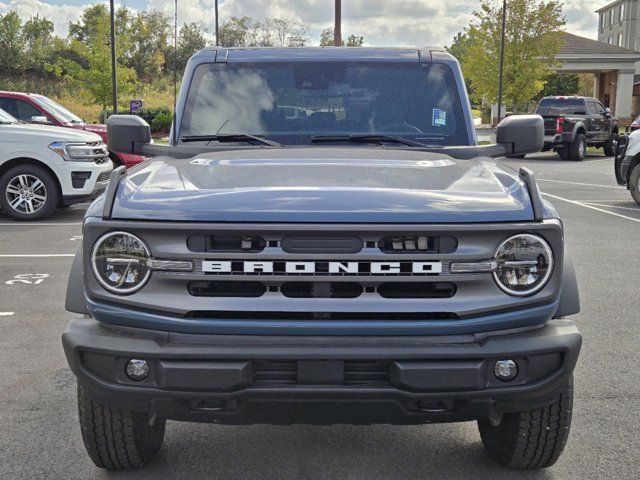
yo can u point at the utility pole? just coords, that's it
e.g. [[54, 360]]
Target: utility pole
[[175, 55], [114, 82], [504, 28], [217, 25], [337, 28]]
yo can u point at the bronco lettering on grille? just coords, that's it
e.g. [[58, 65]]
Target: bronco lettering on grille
[[319, 268]]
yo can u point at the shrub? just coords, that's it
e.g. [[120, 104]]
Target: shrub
[[162, 121]]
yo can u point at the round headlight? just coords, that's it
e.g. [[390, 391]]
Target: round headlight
[[524, 264], [119, 261]]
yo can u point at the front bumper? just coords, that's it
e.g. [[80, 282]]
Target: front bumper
[[241, 379]]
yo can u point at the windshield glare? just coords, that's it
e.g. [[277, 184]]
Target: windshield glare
[[291, 102], [6, 118], [57, 110]]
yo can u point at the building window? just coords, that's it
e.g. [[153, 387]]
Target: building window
[[621, 11], [611, 16], [610, 41], [619, 39]]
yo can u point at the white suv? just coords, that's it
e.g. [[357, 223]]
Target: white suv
[[42, 168]]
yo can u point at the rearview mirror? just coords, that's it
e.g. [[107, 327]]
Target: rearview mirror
[[127, 134], [40, 120], [521, 134]]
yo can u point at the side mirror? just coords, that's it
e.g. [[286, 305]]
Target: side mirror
[[40, 120], [607, 112], [127, 134], [521, 134]]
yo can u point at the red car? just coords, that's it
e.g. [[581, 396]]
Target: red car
[[35, 108]]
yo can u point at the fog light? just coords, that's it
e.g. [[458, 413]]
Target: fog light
[[137, 369], [505, 370]]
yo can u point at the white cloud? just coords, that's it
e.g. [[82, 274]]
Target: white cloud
[[60, 15]]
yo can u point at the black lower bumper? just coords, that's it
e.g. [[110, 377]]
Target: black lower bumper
[[267, 379]]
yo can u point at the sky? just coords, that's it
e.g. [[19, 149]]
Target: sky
[[381, 22]]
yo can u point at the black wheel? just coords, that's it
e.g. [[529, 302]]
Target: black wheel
[[28, 192], [531, 439], [118, 439], [575, 151], [611, 145], [634, 184]]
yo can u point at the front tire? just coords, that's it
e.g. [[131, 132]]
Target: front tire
[[530, 439], [634, 184], [118, 439], [28, 192]]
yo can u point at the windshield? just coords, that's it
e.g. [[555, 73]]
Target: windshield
[[292, 102], [6, 118], [57, 110], [561, 106]]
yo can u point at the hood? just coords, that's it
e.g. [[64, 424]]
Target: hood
[[317, 184], [94, 128], [47, 133]]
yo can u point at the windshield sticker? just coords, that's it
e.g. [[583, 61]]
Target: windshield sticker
[[439, 118]]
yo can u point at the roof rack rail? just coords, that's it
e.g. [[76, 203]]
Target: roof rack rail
[[529, 179], [110, 193]]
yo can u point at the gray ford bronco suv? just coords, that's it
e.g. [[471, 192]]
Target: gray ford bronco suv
[[323, 241]]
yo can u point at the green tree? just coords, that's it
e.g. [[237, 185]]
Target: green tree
[[561, 84], [533, 40], [240, 32], [12, 58], [149, 43], [327, 39], [39, 42], [190, 40], [87, 58]]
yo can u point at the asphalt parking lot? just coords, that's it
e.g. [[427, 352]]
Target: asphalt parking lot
[[40, 437]]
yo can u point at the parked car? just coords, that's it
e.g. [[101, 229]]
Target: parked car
[[573, 123], [369, 265], [43, 167], [627, 164], [38, 109]]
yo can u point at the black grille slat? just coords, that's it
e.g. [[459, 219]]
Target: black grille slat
[[355, 372], [417, 290], [227, 289]]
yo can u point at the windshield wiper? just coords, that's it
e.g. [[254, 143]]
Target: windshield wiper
[[369, 138], [230, 137]]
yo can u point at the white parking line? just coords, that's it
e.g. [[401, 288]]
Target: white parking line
[[38, 224], [43, 255], [6, 314], [585, 205], [579, 183], [635, 209]]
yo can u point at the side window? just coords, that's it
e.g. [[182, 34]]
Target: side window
[[599, 108], [591, 107], [9, 106], [26, 111]]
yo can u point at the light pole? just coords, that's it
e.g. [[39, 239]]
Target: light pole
[[504, 27], [337, 27], [114, 82]]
